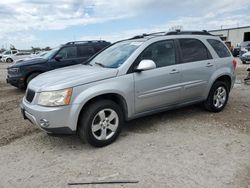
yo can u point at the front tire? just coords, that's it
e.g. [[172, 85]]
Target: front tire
[[9, 60], [100, 123], [218, 97]]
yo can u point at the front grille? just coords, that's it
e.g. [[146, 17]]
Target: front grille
[[30, 95]]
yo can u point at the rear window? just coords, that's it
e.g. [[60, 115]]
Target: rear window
[[219, 48], [193, 50], [85, 51]]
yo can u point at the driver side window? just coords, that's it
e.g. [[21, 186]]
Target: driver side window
[[162, 53], [68, 52]]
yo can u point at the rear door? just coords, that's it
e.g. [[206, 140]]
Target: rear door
[[85, 52], [197, 67], [158, 87]]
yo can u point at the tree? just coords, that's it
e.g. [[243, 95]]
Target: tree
[[176, 27], [47, 48], [35, 49]]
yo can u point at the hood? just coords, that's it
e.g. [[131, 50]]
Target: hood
[[32, 61], [246, 54], [70, 77]]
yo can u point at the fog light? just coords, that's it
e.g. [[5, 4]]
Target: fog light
[[44, 123]]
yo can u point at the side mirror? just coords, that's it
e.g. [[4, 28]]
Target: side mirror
[[58, 57], [145, 65]]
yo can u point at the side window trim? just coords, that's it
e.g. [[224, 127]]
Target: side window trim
[[137, 60], [209, 56]]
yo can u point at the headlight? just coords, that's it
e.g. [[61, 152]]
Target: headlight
[[14, 70], [55, 98]]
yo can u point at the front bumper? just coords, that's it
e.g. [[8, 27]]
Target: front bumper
[[246, 58], [58, 118], [17, 81]]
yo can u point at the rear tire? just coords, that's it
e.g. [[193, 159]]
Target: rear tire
[[244, 62], [218, 97], [100, 123]]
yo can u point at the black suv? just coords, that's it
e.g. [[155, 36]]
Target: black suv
[[71, 53]]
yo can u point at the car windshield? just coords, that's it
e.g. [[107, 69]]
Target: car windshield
[[115, 55], [50, 53], [6, 53]]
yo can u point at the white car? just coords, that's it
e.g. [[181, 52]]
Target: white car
[[18, 57], [7, 56]]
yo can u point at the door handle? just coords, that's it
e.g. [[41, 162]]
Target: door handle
[[209, 65], [174, 71]]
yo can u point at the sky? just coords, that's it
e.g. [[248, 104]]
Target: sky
[[41, 23]]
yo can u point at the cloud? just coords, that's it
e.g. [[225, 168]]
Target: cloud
[[27, 16]]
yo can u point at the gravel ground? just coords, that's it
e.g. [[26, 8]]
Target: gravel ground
[[188, 147]]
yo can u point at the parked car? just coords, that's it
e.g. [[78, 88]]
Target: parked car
[[130, 79], [245, 57], [236, 51], [31, 57], [23, 55], [72, 53], [1, 55], [7, 56], [244, 48]]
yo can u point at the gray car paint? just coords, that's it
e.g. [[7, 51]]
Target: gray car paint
[[144, 92]]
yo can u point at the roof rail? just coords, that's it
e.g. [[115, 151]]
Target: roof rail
[[82, 42], [178, 32], [149, 34]]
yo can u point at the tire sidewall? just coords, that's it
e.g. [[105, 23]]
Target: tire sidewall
[[85, 127], [9, 60], [211, 96]]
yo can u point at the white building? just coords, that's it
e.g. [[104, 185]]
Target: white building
[[233, 35]]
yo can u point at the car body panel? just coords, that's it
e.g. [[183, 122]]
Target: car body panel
[[144, 92]]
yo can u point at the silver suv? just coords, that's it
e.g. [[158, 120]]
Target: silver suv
[[131, 78]]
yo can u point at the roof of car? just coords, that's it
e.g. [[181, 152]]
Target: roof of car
[[177, 32], [91, 42]]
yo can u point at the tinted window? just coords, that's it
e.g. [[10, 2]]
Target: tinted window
[[85, 51], [219, 48], [193, 50], [162, 53], [68, 52], [7, 52]]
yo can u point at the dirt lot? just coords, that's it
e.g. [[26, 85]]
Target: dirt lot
[[188, 147]]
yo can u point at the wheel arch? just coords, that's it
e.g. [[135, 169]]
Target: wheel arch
[[115, 97], [30, 73], [225, 78]]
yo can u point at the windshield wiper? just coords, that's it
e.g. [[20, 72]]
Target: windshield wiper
[[100, 64]]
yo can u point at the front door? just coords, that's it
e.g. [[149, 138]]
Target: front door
[[68, 58], [158, 87]]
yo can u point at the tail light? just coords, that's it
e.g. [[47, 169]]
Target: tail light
[[234, 62]]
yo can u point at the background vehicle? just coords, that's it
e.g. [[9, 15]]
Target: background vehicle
[[130, 79], [245, 57], [7, 56], [72, 53], [236, 51], [244, 47], [22, 55]]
